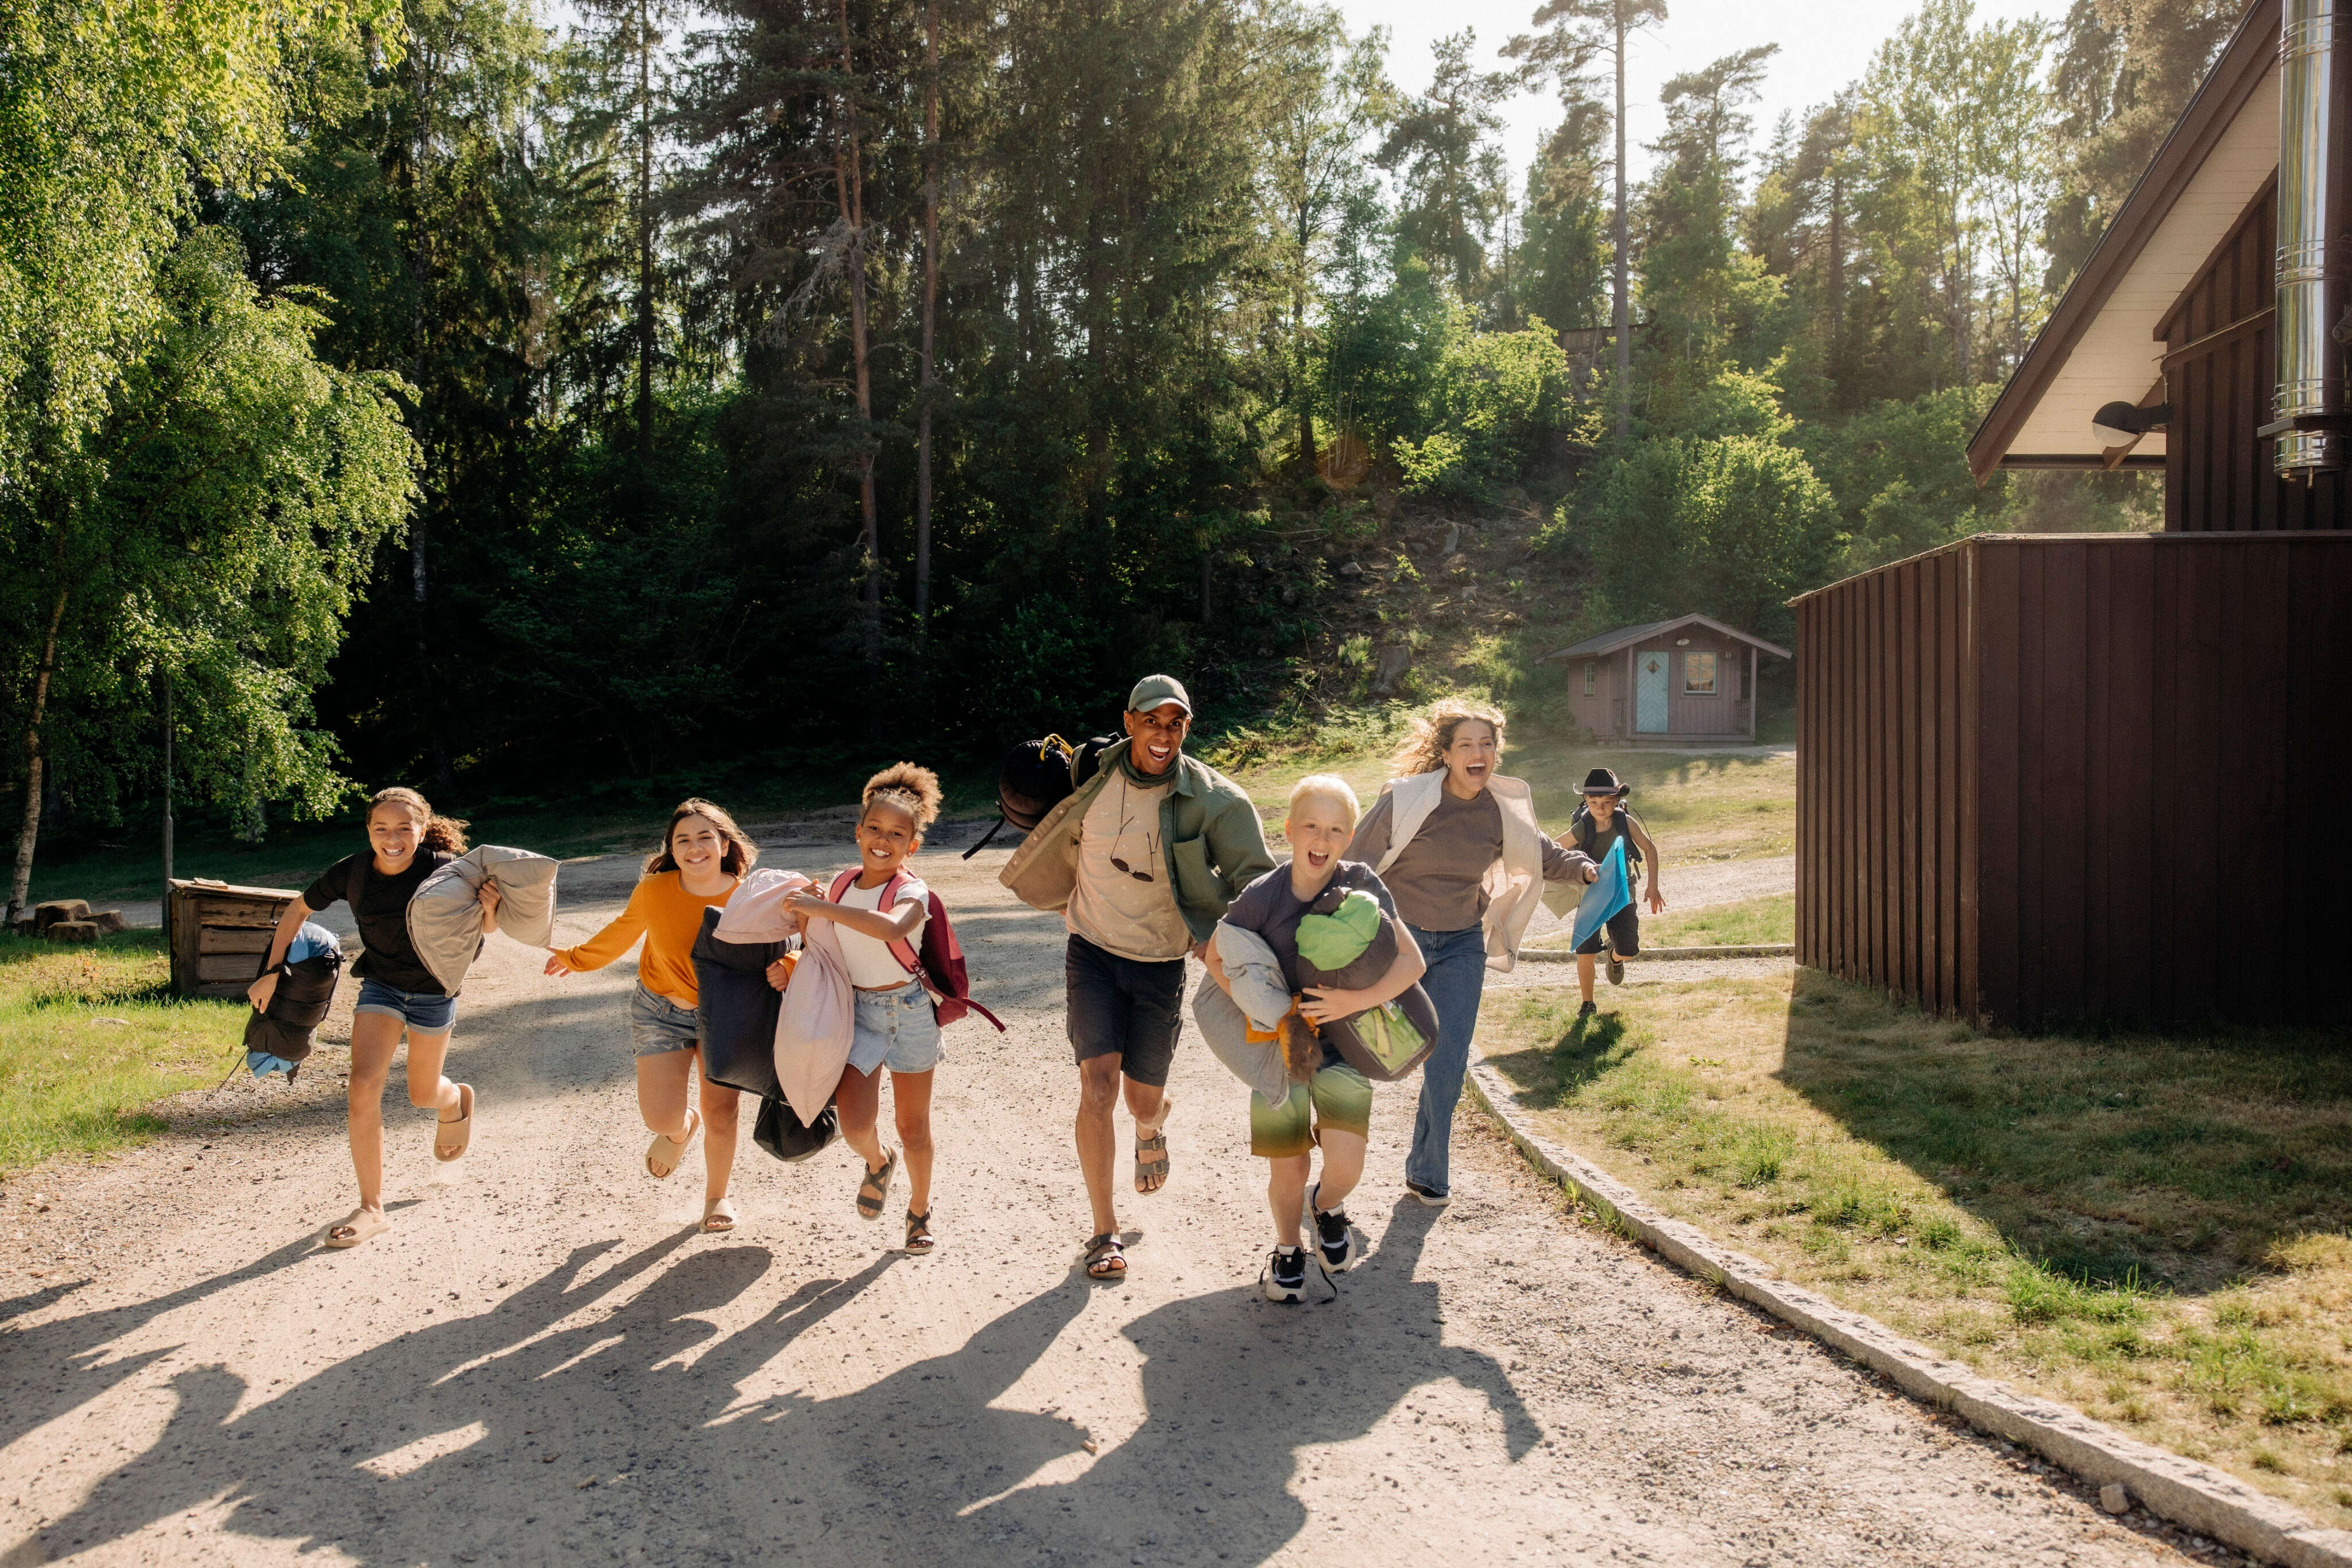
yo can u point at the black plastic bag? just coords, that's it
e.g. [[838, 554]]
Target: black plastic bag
[[784, 1135]]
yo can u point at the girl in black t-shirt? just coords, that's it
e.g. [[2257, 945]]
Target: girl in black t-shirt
[[397, 992]]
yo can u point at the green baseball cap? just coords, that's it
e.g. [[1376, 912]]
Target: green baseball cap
[[1157, 691]]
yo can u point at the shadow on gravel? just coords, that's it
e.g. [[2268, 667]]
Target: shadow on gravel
[[622, 1436], [1207, 1469]]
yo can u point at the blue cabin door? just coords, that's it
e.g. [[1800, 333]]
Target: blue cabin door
[[1650, 694]]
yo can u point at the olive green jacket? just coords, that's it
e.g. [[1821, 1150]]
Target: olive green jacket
[[1214, 844]]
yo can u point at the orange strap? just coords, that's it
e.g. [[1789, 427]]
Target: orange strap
[[1256, 1036]]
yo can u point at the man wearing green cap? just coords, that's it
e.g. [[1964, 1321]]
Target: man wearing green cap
[[1140, 861]]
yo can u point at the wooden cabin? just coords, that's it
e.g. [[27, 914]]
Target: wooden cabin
[[2101, 778], [1689, 681]]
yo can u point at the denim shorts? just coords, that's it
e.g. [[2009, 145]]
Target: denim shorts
[[897, 1029], [659, 1026], [424, 1012]]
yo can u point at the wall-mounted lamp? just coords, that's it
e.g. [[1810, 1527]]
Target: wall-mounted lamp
[[2120, 423], [1681, 641]]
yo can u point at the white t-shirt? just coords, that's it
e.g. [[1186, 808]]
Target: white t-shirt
[[871, 963]]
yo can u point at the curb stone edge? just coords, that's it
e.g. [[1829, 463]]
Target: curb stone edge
[[2207, 1500]]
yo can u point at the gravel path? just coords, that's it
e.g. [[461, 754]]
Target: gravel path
[[544, 1362]]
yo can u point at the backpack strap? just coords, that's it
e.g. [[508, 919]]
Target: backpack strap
[[900, 949]]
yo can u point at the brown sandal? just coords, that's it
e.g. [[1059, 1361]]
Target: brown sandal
[[918, 1231], [1106, 1259], [1151, 1172]]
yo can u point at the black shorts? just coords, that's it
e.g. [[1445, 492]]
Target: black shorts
[[1624, 934], [1125, 1007]]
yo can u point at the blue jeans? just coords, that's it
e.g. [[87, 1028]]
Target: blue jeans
[[1456, 980]]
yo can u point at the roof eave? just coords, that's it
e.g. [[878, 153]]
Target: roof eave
[[1589, 649], [2244, 62]]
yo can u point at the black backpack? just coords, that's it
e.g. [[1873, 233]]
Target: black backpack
[[1037, 775], [1580, 827]]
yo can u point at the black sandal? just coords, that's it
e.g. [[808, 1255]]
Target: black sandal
[[1106, 1259], [876, 1187], [918, 1231]]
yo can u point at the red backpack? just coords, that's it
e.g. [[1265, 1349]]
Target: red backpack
[[939, 966]]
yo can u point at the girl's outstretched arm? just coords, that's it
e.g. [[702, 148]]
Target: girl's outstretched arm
[[607, 944], [898, 925]]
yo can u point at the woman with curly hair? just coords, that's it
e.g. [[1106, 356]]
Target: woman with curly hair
[[880, 913], [1459, 848], [703, 859]]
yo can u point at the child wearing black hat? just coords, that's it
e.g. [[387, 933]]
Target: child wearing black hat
[[1599, 823]]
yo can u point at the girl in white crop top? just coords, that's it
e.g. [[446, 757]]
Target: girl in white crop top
[[895, 1026]]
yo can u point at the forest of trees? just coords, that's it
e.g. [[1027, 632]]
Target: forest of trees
[[417, 390]]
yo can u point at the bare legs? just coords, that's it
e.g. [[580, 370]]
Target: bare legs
[[1286, 1183], [1099, 1080], [375, 1037], [1584, 973], [858, 1101], [663, 1082]]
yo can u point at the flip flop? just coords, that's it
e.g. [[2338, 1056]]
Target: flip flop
[[1152, 1173], [671, 1150], [719, 1217], [462, 1129], [362, 1225]]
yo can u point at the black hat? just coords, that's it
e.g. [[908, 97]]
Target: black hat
[[1601, 781]]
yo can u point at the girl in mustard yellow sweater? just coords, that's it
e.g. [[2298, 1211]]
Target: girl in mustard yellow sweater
[[704, 856]]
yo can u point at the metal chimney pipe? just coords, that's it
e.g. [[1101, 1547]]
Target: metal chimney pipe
[[2314, 285]]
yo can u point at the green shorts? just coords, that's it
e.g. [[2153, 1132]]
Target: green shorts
[[1339, 1099]]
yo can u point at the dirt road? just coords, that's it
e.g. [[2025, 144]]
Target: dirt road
[[545, 1362]]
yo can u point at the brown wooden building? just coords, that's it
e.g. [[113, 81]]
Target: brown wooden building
[[1689, 681], [2052, 777]]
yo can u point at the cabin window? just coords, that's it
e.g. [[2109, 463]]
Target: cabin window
[[1698, 674], [1592, 677]]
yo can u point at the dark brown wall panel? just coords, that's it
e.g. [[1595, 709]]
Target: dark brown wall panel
[[2088, 777], [1995, 779]]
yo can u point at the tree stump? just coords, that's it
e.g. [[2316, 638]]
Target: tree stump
[[57, 909], [72, 931]]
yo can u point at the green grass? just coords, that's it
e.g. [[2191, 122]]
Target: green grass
[[2157, 1229], [90, 1037], [1744, 924]]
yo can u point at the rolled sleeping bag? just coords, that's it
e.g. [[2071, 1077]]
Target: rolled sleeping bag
[[1386, 1043], [815, 1025], [738, 1011], [445, 917], [1257, 1063], [306, 987]]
